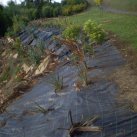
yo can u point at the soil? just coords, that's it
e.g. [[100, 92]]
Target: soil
[[126, 76]]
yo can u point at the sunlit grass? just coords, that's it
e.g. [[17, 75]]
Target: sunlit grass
[[128, 5], [124, 26]]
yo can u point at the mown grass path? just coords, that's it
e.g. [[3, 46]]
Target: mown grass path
[[117, 11]]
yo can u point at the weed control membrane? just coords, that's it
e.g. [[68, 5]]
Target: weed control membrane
[[42, 112]]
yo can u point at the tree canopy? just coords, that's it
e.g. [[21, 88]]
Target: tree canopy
[[14, 16]]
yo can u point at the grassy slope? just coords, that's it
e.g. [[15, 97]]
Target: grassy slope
[[124, 26], [129, 5]]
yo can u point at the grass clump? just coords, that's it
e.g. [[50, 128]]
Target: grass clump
[[88, 49], [42, 109], [34, 57], [9, 71], [35, 53], [18, 47], [83, 75], [57, 82]]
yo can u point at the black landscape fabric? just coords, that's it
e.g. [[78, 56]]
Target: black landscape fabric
[[98, 99]]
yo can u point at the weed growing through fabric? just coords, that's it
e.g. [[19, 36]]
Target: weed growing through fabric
[[34, 57], [10, 71], [83, 75], [35, 54], [42, 109], [18, 47], [57, 82]]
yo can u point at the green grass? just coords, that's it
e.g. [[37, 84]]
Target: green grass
[[129, 5], [124, 26]]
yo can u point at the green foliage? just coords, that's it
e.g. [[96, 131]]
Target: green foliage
[[35, 54], [79, 7], [47, 11], [72, 2], [72, 9], [18, 47], [56, 11], [34, 57], [98, 2], [83, 75], [5, 21], [74, 58], [5, 75], [94, 31], [57, 82], [31, 13], [9, 71], [88, 49], [41, 47], [71, 32], [15, 16], [18, 24]]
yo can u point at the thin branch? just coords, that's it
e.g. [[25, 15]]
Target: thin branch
[[70, 114]]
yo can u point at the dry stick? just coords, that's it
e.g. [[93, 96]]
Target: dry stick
[[70, 114], [82, 127], [73, 46], [91, 120], [86, 129]]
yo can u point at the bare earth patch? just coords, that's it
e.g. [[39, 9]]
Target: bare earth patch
[[127, 83], [126, 76]]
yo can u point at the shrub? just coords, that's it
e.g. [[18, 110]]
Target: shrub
[[31, 13], [18, 24], [47, 11], [98, 2], [71, 9], [35, 54], [94, 31], [56, 11], [72, 32], [18, 47], [67, 10], [79, 7], [5, 21], [34, 57]]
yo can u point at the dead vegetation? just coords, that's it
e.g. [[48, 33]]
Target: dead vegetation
[[73, 46], [127, 82], [83, 126], [77, 58], [16, 74], [126, 76]]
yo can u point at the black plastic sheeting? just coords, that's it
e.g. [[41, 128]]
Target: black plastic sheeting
[[100, 98]]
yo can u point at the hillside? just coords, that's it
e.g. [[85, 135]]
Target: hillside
[[69, 74], [125, 5], [128, 5]]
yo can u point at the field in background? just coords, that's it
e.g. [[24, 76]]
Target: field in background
[[124, 26], [128, 5]]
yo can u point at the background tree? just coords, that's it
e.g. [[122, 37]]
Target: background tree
[[99, 2]]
